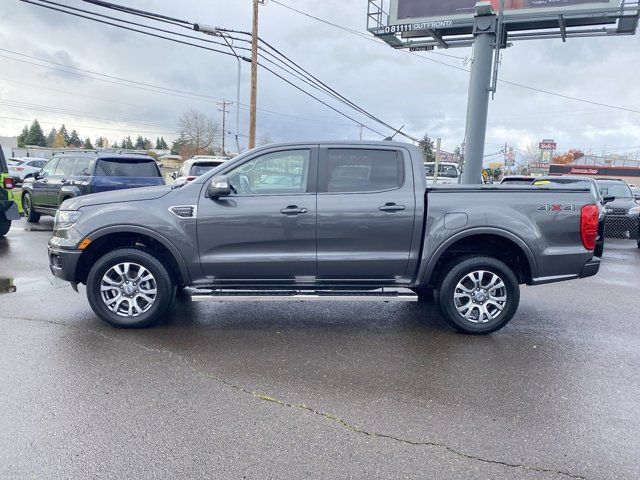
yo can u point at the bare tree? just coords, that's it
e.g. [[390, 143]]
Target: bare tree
[[531, 154], [265, 139], [197, 131]]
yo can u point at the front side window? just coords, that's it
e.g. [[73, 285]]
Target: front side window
[[273, 173], [351, 170], [65, 166], [50, 167]]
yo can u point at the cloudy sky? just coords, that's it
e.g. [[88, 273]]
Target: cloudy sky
[[422, 91]]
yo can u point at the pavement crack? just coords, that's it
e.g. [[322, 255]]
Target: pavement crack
[[202, 372]]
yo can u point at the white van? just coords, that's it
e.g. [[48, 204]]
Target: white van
[[448, 173]]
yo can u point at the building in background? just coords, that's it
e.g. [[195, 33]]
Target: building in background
[[612, 166]]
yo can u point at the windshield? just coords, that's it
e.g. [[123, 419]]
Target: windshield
[[127, 167], [448, 171], [617, 189], [202, 168]]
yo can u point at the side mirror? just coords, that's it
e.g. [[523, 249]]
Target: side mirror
[[174, 175], [637, 196], [219, 187], [608, 199]]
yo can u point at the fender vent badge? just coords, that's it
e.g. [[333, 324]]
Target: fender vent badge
[[184, 211]]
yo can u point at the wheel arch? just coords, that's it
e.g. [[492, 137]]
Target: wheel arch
[[113, 237], [495, 242]]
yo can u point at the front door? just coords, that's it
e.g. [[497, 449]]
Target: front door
[[41, 183], [266, 228], [366, 210]]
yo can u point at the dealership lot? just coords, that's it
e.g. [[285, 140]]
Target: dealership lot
[[334, 390]]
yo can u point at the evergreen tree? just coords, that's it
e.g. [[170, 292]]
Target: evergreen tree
[[127, 144], [51, 138], [36, 135], [147, 144], [427, 149], [65, 134], [87, 144], [163, 144], [74, 139], [22, 138], [140, 143]]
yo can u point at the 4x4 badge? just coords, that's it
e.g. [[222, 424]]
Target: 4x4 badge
[[555, 207]]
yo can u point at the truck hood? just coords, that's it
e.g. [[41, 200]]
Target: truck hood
[[117, 196]]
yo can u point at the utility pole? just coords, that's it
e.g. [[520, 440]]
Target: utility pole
[[224, 104], [254, 77], [484, 31], [360, 131], [436, 167]]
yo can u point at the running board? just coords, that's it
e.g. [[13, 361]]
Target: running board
[[380, 295]]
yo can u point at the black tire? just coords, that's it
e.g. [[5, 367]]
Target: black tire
[[425, 294], [491, 317], [27, 207], [599, 251], [165, 287], [5, 225]]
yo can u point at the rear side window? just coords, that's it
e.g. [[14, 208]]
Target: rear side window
[[15, 163], [351, 170], [83, 166], [127, 167]]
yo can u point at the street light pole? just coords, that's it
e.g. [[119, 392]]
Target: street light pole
[[254, 77]]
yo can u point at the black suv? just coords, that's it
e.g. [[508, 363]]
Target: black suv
[[623, 214], [71, 175]]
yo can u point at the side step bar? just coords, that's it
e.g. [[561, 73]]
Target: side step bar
[[380, 295]]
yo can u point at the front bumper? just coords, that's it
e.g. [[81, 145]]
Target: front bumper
[[590, 268], [64, 263]]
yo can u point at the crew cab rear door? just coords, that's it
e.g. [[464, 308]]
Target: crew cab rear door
[[265, 230], [366, 214]]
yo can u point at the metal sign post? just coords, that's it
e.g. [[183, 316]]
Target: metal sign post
[[484, 32]]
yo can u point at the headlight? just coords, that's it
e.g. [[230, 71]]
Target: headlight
[[65, 219], [634, 210]]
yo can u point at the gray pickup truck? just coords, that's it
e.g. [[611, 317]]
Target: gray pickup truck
[[324, 221]]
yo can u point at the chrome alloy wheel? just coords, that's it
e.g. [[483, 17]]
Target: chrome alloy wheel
[[480, 296], [128, 289]]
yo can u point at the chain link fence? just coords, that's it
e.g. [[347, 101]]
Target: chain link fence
[[619, 224]]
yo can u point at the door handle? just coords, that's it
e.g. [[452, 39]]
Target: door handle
[[44, 180], [391, 207], [64, 180], [293, 210]]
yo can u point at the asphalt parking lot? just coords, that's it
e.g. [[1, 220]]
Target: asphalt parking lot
[[255, 390]]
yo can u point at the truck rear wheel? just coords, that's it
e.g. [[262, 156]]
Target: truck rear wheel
[[479, 295], [130, 288], [5, 225]]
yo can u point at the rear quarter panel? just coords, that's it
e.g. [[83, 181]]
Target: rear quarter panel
[[550, 238]]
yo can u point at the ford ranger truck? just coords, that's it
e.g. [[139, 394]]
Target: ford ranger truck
[[329, 222]]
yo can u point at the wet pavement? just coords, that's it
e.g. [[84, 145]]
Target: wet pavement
[[255, 390]]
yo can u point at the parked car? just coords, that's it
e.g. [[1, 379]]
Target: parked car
[[194, 167], [448, 173], [25, 167], [336, 234], [8, 208], [517, 180], [623, 213], [636, 192], [72, 175], [569, 181]]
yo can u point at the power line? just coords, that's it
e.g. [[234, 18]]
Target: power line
[[74, 125], [165, 18]]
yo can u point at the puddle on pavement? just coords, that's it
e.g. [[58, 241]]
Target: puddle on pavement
[[7, 286]]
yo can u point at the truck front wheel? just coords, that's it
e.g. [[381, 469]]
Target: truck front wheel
[[479, 295], [130, 288]]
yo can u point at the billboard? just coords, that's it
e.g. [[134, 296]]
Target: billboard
[[434, 14]]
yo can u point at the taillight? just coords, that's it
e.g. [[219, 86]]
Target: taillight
[[8, 183], [589, 226], [18, 169]]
